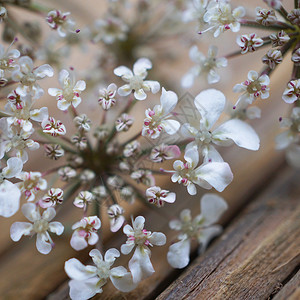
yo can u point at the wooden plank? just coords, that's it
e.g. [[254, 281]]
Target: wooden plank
[[291, 290], [257, 252]]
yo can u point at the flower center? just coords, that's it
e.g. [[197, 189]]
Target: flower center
[[40, 226]]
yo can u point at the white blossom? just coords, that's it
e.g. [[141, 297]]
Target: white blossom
[[265, 16], [53, 197], [135, 80], [124, 122], [53, 127], [8, 59], [85, 232], [249, 42], [279, 39], [116, 217], [83, 199], [205, 66], [107, 96], [87, 281], [272, 58], [253, 87], [164, 152], [155, 195], [60, 21], [157, 119], [201, 228], [70, 92], [28, 76], [140, 239], [292, 91], [40, 226], [276, 4]]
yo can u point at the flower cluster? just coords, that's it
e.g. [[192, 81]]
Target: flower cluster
[[115, 132]]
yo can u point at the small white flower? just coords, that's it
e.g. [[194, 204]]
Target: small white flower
[[143, 176], [249, 42], [164, 152], [70, 92], [207, 175], [135, 80], [32, 183], [53, 197], [128, 194], [85, 232], [66, 173], [107, 96], [60, 21], [158, 197], [87, 281], [53, 127], [116, 218], [8, 58], [296, 57], [83, 199], [272, 58], [253, 87], [9, 192], [220, 17], [100, 191], [279, 39], [132, 149], [292, 91], [265, 17], [157, 119], [140, 239], [40, 226], [124, 122], [82, 122], [28, 76], [276, 4], [200, 228], [206, 66]]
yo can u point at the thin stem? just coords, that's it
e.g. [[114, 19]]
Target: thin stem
[[51, 171], [296, 3], [283, 12], [277, 26]]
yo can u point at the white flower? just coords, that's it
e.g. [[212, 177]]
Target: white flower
[[70, 92], [87, 281], [9, 192], [28, 76], [8, 59], [207, 175], [109, 30], [265, 17], [20, 111], [194, 11], [205, 66], [292, 91], [15, 140], [66, 173], [249, 42], [132, 149], [83, 199], [40, 226], [200, 228], [143, 176], [32, 182], [296, 57], [116, 218], [85, 232], [220, 17], [158, 197], [253, 87], [60, 21], [156, 119], [53, 197], [53, 127], [279, 39], [139, 238], [210, 104], [164, 152], [276, 4], [124, 122], [272, 58], [107, 96], [82, 122], [135, 80]]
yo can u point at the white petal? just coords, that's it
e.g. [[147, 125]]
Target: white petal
[[140, 94], [43, 71], [124, 90], [42, 243], [138, 223], [241, 133], [56, 227], [127, 248], [122, 70], [29, 211], [49, 214], [62, 77], [39, 114], [9, 199], [77, 242], [80, 85], [191, 188], [18, 229], [157, 238], [212, 207], [170, 126], [122, 279], [168, 101], [179, 254], [210, 154], [206, 235], [76, 270], [54, 92], [141, 65], [128, 230], [216, 174], [210, 103], [192, 156], [82, 290], [188, 80], [140, 264], [170, 198], [153, 85], [111, 255], [14, 167]]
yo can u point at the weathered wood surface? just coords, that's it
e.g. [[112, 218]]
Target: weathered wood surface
[[255, 254]]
